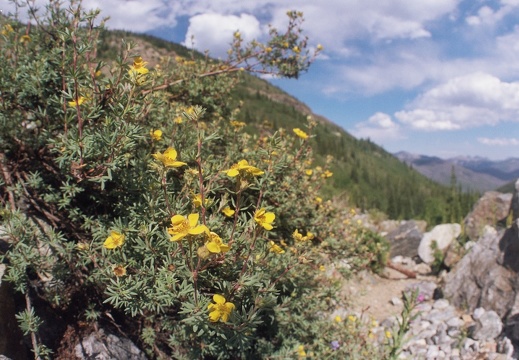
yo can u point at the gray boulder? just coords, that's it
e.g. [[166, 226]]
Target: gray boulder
[[488, 326], [491, 209], [101, 346], [405, 238], [443, 235], [487, 277], [515, 201]]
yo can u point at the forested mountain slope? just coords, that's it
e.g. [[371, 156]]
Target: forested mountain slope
[[365, 174]]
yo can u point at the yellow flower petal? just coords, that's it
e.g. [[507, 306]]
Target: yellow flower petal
[[177, 219], [232, 172], [193, 219], [219, 299], [213, 247]]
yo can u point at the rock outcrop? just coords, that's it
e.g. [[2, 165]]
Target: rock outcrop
[[487, 277], [103, 346], [491, 209], [405, 238], [442, 235]]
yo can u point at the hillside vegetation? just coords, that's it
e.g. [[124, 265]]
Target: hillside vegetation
[[365, 175]]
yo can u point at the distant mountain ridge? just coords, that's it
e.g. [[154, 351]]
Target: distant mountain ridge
[[472, 173]]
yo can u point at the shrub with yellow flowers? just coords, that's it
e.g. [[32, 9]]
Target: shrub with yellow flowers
[[129, 195]]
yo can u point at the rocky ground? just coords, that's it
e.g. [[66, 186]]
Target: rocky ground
[[440, 331]]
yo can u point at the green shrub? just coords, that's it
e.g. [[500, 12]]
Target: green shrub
[[133, 191]]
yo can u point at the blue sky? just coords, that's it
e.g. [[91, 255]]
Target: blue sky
[[434, 77]]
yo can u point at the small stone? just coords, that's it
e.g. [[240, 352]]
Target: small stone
[[470, 345], [441, 304], [407, 261], [395, 301], [397, 259], [478, 313], [454, 333], [423, 308], [467, 319], [455, 322], [504, 346], [422, 269], [455, 352], [432, 352], [488, 326], [488, 347]]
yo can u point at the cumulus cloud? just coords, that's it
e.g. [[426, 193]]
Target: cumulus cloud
[[487, 16], [335, 22], [379, 127], [466, 101], [214, 32], [499, 141], [133, 15]]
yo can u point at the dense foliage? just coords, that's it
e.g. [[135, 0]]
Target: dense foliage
[[133, 200]]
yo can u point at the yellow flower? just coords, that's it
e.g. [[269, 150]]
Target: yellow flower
[[115, 240], [119, 271], [139, 65], [197, 200], [309, 172], [237, 124], [178, 120], [169, 158], [326, 174], [275, 248], [182, 227], [300, 133], [220, 310], [319, 47], [25, 39], [138, 70], [82, 246], [74, 103], [228, 211], [7, 29], [243, 169], [338, 319], [297, 235], [301, 351], [156, 134], [318, 200], [296, 49], [352, 318], [388, 334], [215, 244], [264, 218], [322, 268]]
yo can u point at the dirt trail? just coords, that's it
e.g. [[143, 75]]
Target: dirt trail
[[371, 294]]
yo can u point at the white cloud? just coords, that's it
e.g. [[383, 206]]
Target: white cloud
[[487, 16], [214, 32], [382, 120], [133, 15], [499, 141], [466, 101], [379, 127]]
